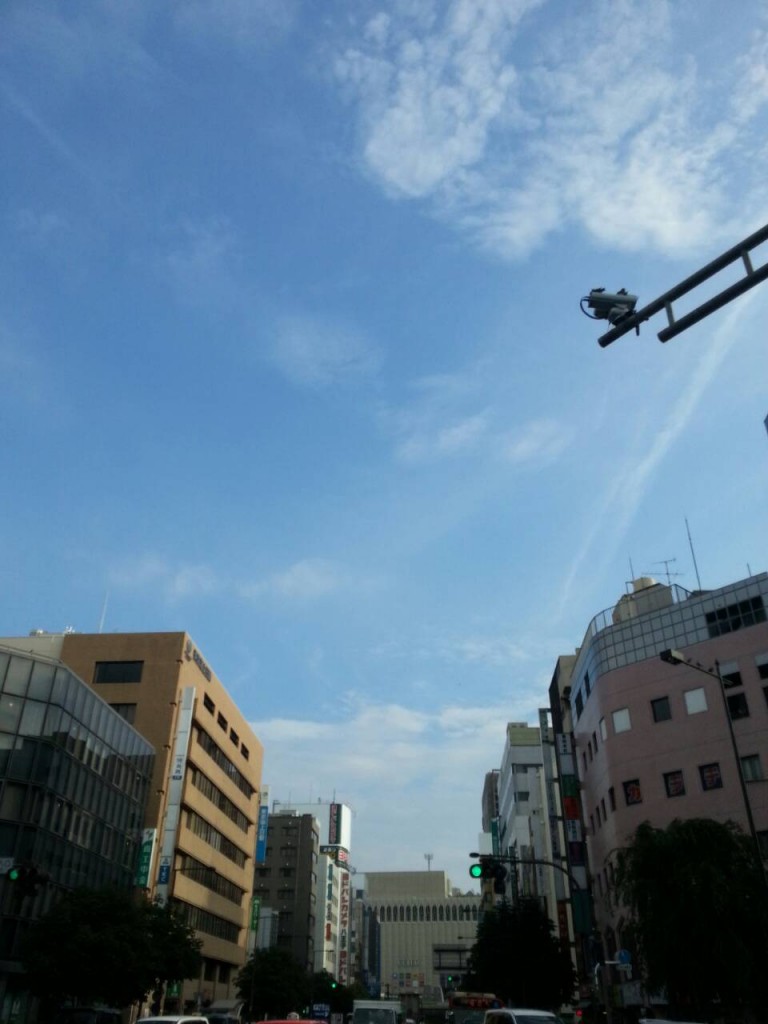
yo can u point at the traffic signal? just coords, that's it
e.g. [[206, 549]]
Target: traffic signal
[[491, 867], [26, 878]]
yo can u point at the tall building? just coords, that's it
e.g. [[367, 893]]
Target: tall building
[[333, 924], [655, 741], [521, 801], [287, 882], [200, 823], [426, 930], [74, 783]]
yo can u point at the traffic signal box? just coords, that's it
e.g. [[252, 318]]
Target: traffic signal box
[[26, 878], [491, 867]]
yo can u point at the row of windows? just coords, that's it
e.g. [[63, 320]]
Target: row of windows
[[204, 921], [428, 913], [48, 811], [223, 724], [218, 799], [207, 876], [215, 839], [710, 777], [661, 711], [218, 756], [54, 769], [735, 616]]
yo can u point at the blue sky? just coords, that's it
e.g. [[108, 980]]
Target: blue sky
[[294, 361]]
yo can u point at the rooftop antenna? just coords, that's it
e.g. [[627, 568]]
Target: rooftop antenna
[[693, 554], [666, 562], [429, 857]]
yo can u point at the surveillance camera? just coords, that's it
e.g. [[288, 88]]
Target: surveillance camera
[[611, 306]]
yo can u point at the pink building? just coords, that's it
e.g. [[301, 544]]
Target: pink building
[[651, 739]]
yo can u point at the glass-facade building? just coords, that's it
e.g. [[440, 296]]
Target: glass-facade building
[[74, 782]]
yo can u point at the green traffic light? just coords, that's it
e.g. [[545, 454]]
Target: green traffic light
[[14, 874], [476, 871]]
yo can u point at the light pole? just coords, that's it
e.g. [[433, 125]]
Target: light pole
[[673, 657]]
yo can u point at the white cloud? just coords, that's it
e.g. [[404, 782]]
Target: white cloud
[[306, 580], [537, 441], [618, 131], [317, 352], [399, 769]]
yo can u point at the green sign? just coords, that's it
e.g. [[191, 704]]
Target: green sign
[[255, 911], [145, 859]]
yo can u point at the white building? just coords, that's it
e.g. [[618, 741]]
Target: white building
[[426, 930]]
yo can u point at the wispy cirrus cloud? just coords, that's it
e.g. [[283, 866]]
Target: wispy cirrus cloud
[[617, 505], [593, 128], [308, 579], [441, 422], [318, 351]]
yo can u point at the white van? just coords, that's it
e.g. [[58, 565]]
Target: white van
[[504, 1015]]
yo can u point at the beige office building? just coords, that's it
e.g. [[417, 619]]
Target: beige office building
[[427, 930], [200, 826]]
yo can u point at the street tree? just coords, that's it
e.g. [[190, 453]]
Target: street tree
[[698, 914], [107, 946], [518, 957], [273, 983]]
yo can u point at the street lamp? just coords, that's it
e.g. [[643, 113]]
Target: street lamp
[[673, 657]]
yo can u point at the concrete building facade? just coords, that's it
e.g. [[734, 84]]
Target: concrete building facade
[[288, 881], [426, 930]]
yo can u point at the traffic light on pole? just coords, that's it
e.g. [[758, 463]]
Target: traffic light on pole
[[490, 867]]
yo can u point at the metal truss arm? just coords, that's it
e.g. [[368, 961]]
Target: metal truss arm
[[751, 278]]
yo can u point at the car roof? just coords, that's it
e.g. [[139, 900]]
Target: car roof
[[177, 1018]]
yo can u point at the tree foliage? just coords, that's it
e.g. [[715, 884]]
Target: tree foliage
[[107, 946], [273, 983], [517, 956], [699, 915]]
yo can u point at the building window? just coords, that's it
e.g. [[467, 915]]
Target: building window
[[662, 712], [729, 673], [234, 737], [223, 723], [674, 783], [632, 792], [751, 768], [118, 671], [695, 700], [761, 664], [735, 616], [579, 704], [208, 703], [587, 686], [602, 806], [612, 798], [737, 705], [710, 776], [245, 752], [126, 711], [594, 741], [621, 720]]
